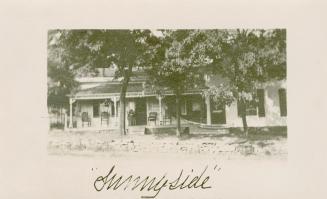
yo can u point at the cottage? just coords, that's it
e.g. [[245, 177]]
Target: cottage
[[96, 105]]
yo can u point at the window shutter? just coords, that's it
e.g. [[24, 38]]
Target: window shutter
[[113, 111], [239, 109], [261, 102], [282, 102]]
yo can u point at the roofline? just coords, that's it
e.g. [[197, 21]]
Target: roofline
[[128, 95], [111, 81]]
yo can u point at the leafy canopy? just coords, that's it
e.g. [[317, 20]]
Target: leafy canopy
[[172, 64], [245, 58]]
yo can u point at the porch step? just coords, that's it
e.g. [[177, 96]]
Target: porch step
[[136, 130], [168, 130], [213, 126]]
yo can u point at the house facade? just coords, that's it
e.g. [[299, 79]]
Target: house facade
[[96, 104]]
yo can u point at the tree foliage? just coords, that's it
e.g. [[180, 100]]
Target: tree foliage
[[245, 58], [61, 79], [87, 50], [248, 57], [176, 60], [173, 64]]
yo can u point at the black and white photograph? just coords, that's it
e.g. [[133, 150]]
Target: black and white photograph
[[219, 92], [163, 99]]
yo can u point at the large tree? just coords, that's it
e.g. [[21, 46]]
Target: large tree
[[244, 58], [90, 49], [61, 79], [173, 65]]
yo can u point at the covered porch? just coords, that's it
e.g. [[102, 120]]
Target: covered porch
[[104, 113], [98, 108]]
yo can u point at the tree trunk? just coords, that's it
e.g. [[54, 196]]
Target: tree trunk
[[123, 100], [122, 109], [243, 114], [178, 113]]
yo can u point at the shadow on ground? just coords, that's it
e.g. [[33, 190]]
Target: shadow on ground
[[259, 142]]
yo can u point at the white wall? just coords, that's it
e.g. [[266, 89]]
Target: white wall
[[87, 106], [272, 109]]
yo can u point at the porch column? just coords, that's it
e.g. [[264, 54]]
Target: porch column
[[160, 109], [115, 107], [71, 101], [65, 119], [208, 109]]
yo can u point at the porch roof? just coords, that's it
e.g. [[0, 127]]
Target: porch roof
[[134, 89], [111, 88], [105, 90]]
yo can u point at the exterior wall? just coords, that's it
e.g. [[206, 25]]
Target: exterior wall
[[153, 106], [272, 109], [87, 106], [191, 107], [191, 104]]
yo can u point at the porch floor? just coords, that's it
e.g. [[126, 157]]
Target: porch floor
[[139, 129]]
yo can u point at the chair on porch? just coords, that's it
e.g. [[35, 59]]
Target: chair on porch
[[152, 117], [105, 117], [86, 118]]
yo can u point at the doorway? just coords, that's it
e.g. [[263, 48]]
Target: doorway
[[140, 111], [218, 114]]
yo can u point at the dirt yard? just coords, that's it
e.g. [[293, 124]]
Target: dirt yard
[[200, 142]]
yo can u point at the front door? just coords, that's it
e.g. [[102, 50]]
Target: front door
[[218, 114], [140, 111]]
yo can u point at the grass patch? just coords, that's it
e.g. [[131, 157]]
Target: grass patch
[[261, 133]]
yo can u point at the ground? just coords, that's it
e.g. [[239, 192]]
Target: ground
[[203, 142]]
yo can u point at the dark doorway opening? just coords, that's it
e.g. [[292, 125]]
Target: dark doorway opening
[[218, 114], [140, 111]]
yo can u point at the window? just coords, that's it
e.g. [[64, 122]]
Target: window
[[196, 106], [256, 107], [261, 102], [251, 108], [282, 102], [96, 109]]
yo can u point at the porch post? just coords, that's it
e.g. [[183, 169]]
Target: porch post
[[71, 101], [65, 119], [208, 109], [115, 107], [160, 109]]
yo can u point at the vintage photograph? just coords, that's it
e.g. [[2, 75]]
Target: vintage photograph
[[139, 92]]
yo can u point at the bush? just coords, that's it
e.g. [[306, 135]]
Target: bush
[[57, 125]]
